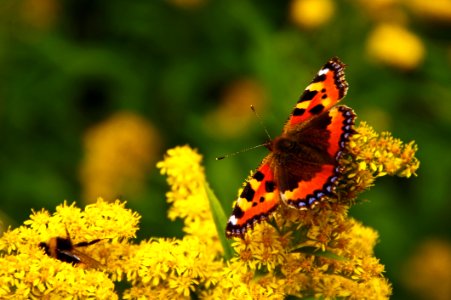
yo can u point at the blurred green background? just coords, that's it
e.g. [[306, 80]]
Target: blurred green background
[[93, 92]]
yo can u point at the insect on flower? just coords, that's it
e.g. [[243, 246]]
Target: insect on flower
[[64, 250]]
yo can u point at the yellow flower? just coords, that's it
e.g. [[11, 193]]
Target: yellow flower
[[311, 13], [377, 4], [188, 3], [428, 271], [41, 14], [384, 10], [27, 272], [374, 155], [361, 239], [320, 253], [395, 46], [188, 197], [437, 10], [173, 267], [230, 119], [119, 153]]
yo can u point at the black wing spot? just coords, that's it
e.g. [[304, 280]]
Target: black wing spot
[[324, 96], [259, 176], [319, 78], [247, 193], [307, 95], [262, 199], [317, 109], [238, 212], [298, 112], [269, 186]]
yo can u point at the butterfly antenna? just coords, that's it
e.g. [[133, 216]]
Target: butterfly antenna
[[240, 151], [261, 122], [254, 147]]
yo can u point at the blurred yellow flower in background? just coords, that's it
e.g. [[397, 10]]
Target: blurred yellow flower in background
[[427, 272], [188, 3], [435, 11], [233, 115], [41, 14], [311, 14], [377, 4], [118, 155], [384, 10], [395, 46]]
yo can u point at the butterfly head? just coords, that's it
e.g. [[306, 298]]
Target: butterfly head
[[283, 144]]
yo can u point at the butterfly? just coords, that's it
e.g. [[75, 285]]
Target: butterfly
[[303, 164]]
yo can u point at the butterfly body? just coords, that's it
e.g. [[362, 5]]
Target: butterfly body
[[303, 164]]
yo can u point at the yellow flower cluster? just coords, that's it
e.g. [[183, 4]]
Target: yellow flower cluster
[[320, 253], [392, 42], [317, 253], [230, 119], [172, 269], [118, 154], [396, 46], [436, 11], [373, 155], [428, 271], [189, 4], [311, 14], [40, 14], [27, 272], [188, 197]]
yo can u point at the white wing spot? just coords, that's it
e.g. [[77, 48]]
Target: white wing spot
[[233, 220], [323, 71]]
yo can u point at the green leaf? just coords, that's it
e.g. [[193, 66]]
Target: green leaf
[[318, 252], [220, 221]]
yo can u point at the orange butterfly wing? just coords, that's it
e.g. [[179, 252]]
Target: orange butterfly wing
[[257, 200], [326, 89], [302, 167], [307, 176]]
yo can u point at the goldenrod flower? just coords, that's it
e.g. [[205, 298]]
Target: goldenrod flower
[[173, 268], [188, 197], [319, 253], [395, 46], [27, 272], [119, 153], [374, 155], [322, 252], [311, 13]]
